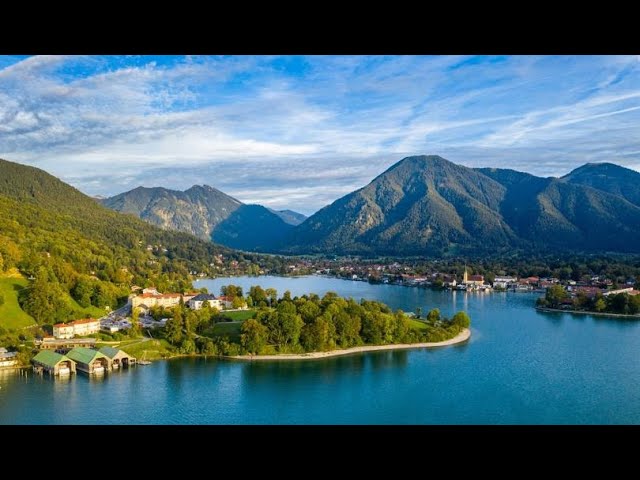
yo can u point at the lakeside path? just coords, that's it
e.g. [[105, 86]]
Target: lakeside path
[[461, 337]]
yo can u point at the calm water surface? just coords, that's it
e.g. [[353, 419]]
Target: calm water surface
[[519, 367]]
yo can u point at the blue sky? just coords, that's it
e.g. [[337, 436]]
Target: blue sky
[[299, 132]]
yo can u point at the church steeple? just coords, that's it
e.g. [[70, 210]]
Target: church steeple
[[465, 276]]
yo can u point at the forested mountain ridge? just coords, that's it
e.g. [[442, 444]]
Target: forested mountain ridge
[[74, 246], [426, 205], [205, 212], [609, 178]]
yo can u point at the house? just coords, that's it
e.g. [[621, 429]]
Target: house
[[89, 360], [82, 327], [86, 326], [148, 300], [227, 302], [189, 295], [8, 359], [151, 290], [197, 302], [63, 346], [63, 330], [615, 292], [119, 358], [53, 363]]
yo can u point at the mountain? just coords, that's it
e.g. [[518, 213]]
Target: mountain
[[420, 206], [206, 213], [608, 177], [83, 255], [549, 212], [289, 216], [426, 205]]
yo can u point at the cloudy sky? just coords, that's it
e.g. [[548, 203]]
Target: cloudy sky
[[299, 132]]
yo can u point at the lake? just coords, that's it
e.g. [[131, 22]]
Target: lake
[[520, 367]]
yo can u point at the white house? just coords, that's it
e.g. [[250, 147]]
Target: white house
[[197, 302]]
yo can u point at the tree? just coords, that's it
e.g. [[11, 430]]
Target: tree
[[433, 316], [254, 336], [174, 328], [1, 299], [257, 294], [555, 294], [600, 305], [135, 324], [238, 302], [231, 291], [272, 295], [418, 312], [461, 319]]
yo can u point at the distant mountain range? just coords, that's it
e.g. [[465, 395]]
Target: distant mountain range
[[209, 214], [422, 205], [426, 205]]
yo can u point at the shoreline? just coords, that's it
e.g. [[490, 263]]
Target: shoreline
[[585, 312], [463, 336]]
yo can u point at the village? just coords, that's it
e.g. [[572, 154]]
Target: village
[[71, 349]]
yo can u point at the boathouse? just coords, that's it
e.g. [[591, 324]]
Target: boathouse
[[53, 363], [119, 358], [8, 359], [89, 360]]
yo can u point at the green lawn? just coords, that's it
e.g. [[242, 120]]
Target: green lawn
[[417, 325], [82, 312], [230, 329], [240, 315], [11, 315], [148, 350]]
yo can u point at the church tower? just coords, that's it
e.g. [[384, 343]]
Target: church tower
[[465, 276]]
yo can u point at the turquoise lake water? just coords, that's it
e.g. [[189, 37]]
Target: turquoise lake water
[[520, 367]]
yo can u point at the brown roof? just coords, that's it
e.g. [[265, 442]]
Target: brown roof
[[160, 295], [476, 278]]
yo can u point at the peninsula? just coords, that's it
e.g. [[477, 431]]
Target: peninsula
[[463, 336]]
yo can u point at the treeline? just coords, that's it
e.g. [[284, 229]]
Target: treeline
[[310, 323], [301, 324], [620, 303]]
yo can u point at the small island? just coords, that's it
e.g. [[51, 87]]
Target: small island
[[310, 327]]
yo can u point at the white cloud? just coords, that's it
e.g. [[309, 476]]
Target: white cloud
[[299, 132]]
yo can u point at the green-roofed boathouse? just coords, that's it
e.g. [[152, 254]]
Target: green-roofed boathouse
[[53, 363], [119, 358], [90, 361]]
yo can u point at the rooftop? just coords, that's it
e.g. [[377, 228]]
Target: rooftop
[[84, 355], [49, 358]]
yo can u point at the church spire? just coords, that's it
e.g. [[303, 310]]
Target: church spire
[[465, 276]]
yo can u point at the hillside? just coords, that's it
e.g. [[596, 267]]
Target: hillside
[[609, 178], [84, 255], [206, 213], [426, 205], [289, 216]]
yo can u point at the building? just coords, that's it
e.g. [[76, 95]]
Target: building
[[197, 302], [615, 292], [81, 328], [227, 302], [148, 300], [119, 358], [186, 296], [89, 360], [504, 282], [8, 359], [53, 363], [63, 346]]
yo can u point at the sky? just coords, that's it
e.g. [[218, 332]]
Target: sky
[[299, 132]]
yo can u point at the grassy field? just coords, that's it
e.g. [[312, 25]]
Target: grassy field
[[11, 315], [147, 349], [417, 325], [82, 312], [240, 315], [231, 329]]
